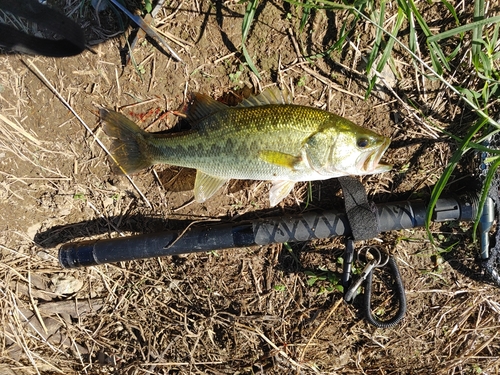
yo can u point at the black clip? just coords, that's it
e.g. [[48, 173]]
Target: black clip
[[377, 261], [347, 264]]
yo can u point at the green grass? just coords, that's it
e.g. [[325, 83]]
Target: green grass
[[247, 23], [327, 280]]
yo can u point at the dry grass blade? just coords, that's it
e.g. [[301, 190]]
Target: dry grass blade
[[330, 313], [272, 344], [20, 130], [10, 142]]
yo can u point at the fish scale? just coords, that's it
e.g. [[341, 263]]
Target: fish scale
[[264, 138], [232, 151]]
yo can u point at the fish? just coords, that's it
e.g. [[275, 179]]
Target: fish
[[265, 137]]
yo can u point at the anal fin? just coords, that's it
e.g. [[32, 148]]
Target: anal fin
[[279, 191], [205, 186]]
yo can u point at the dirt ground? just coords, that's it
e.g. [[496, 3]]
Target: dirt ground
[[258, 310]]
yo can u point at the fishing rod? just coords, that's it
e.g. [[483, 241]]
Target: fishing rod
[[296, 228]]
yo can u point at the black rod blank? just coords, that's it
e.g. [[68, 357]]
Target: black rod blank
[[304, 227]]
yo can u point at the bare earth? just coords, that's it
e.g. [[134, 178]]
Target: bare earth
[[238, 311]]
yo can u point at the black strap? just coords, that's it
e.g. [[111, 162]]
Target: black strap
[[361, 214], [72, 41]]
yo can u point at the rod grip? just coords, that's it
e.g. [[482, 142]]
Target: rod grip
[[304, 227]]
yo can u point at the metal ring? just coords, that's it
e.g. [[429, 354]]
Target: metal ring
[[376, 253]]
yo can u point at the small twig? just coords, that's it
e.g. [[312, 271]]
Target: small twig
[[224, 58], [118, 86], [149, 30], [274, 346], [132, 105], [187, 228], [33, 303], [327, 82], [332, 310], [103, 217], [181, 363], [153, 74]]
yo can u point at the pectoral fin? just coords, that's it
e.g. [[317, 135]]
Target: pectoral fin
[[205, 186], [280, 158], [279, 191]]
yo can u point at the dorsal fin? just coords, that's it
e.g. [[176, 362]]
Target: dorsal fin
[[271, 95], [202, 106]]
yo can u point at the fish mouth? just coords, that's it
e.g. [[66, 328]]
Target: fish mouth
[[370, 161]]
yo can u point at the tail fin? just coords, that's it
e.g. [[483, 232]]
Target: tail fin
[[129, 148]]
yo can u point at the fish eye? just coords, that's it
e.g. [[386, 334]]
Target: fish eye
[[363, 142]]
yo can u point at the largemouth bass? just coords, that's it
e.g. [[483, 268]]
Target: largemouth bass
[[264, 138]]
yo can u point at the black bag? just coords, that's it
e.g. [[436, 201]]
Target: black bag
[[70, 40]]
